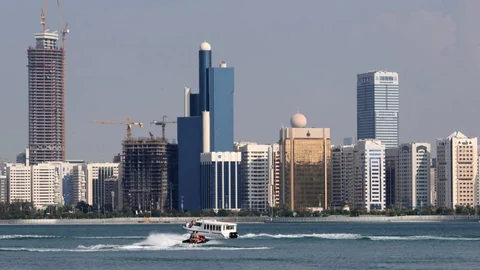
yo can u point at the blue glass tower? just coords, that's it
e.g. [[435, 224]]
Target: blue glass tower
[[204, 62], [221, 88], [189, 135]]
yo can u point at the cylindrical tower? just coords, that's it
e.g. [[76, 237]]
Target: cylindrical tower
[[186, 102], [204, 62], [206, 131]]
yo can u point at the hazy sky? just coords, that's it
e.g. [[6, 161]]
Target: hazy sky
[[133, 58]]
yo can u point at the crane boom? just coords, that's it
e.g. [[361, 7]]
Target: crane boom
[[128, 123], [162, 123]]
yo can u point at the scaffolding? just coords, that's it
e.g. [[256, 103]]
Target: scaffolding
[[145, 174]]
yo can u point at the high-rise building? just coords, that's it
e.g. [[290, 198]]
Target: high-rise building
[[412, 178], [207, 125], [256, 168], [305, 155], [44, 185], [369, 175], [19, 179], [457, 168], [221, 186], [46, 99], [172, 168], [342, 186], [391, 166], [433, 182], [274, 176], [378, 107], [221, 89], [96, 175], [144, 174], [78, 184]]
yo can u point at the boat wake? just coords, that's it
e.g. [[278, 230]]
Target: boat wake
[[154, 242], [348, 236], [25, 236]]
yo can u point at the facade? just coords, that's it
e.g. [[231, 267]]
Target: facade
[[44, 185], [19, 180], [378, 107], [369, 175], [256, 166], [96, 175], [305, 155], [457, 168], [221, 186], [172, 163], [391, 166], [46, 99], [221, 89], [413, 175], [3, 189], [189, 133], [78, 184], [433, 182], [342, 187], [144, 174], [274, 176]]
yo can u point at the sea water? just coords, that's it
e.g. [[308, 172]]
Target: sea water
[[448, 245]]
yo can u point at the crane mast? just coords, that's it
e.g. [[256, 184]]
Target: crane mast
[[162, 123]]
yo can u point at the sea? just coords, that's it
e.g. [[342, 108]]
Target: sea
[[441, 245]]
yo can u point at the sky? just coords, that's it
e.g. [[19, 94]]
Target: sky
[[133, 58]]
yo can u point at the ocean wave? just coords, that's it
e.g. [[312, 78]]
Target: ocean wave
[[109, 237], [25, 236], [348, 236], [154, 242]]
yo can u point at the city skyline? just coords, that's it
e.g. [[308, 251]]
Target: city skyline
[[444, 41]]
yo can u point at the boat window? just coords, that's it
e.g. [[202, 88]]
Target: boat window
[[229, 227], [198, 224]]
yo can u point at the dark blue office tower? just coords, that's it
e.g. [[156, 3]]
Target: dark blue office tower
[[221, 88], [189, 135], [204, 62]]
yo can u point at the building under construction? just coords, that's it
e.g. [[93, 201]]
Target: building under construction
[[46, 95], [145, 174]]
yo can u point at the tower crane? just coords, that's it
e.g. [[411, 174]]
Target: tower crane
[[162, 123], [128, 123], [64, 26], [43, 16]]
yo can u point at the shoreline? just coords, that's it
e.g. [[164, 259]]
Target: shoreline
[[241, 220]]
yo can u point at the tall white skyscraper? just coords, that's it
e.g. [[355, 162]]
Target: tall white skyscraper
[[259, 175], [369, 187], [378, 107], [457, 168], [413, 175]]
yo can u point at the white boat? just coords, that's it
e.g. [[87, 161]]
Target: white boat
[[212, 227]]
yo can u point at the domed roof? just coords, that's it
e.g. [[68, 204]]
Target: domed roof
[[205, 46], [298, 121]]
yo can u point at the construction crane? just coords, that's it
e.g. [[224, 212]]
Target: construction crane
[[43, 16], [64, 26], [128, 123], [162, 123]]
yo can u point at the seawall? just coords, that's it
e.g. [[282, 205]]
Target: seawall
[[182, 220]]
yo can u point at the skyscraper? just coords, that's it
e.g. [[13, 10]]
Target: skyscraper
[[457, 168], [46, 99], [220, 89], [378, 107], [207, 125], [305, 155]]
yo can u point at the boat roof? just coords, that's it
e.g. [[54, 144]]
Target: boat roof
[[216, 222]]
